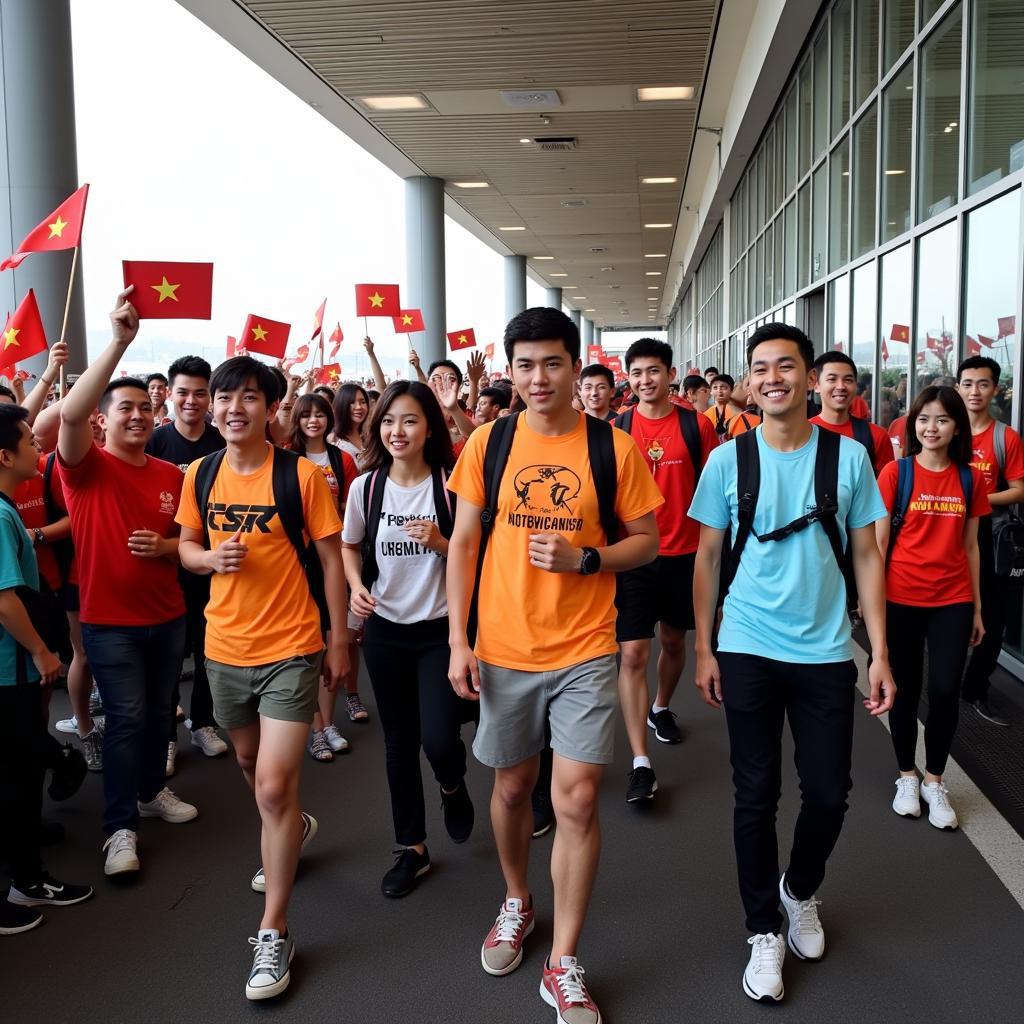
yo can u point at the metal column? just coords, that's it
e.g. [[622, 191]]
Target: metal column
[[424, 263], [515, 286], [587, 334], [553, 298]]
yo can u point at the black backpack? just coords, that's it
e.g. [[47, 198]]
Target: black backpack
[[1007, 526], [63, 550], [600, 452], [862, 433], [687, 424]]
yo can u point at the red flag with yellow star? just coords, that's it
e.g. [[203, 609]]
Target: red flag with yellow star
[[170, 291], [408, 321], [336, 339], [270, 337], [462, 339], [23, 335], [61, 230], [377, 300], [329, 374], [318, 320]]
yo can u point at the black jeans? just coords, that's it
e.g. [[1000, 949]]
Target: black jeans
[[23, 755], [196, 590], [995, 603], [408, 667], [947, 631], [759, 693]]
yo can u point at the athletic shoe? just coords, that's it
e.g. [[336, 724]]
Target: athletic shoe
[[806, 935], [642, 785], [95, 702], [15, 919], [319, 748], [664, 725], [68, 725], [908, 796], [172, 759], [984, 709], [92, 750], [335, 740], [543, 814], [410, 866], [47, 891], [940, 811], [68, 774], [458, 813], [271, 963], [562, 987], [762, 980], [356, 709], [502, 951], [207, 740], [122, 852], [309, 830], [169, 807]]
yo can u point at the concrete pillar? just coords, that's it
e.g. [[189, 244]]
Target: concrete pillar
[[597, 335], [553, 298], [515, 286], [39, 164], [587, 334], [424, 264], [575, 314]]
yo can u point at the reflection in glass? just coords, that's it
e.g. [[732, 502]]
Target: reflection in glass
[[935, 350], [894, 314], [805, 119], [769, 174], [940, 119], [992, 285], [865, 174], [759, 275], [820, 94], [839, 314], [769, 285], [804, 236], [751, 282], [780, 254], [866, 45], [864, 335], [899, 30], [791, 131], [791, 245], [840, 65], [996, 136], [819, 222], [928, 9], [760, 190], [897, 115], [838, 207]]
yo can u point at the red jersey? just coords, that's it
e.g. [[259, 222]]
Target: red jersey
[[882, 455], [929, 563], [984, 446], [860, 408], [673, 473], [31, 505], [108, 500], [898, 433]]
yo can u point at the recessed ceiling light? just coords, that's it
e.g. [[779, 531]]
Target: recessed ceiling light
[[658, 181], [652, 287], [542, 257], [655, 255], [654, 93], [557, 275], [896, 171], [471, 184], [512, 229], [605, 270], [652, 273], [579, 298], [588, 311], [657, 225], [393, 103], [526, 140]]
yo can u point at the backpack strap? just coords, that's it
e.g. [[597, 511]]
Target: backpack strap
[[288, 499], [624, 421], [904, 490], [373, 503], [337, 467], [443, 505], [967, 485], [826, 497], [690, 428], [603, 468], [63, 550], [206, 474], [748, 484], [999, 444], [862, 433]]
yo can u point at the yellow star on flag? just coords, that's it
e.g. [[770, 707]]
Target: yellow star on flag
[[463, 339], [11, 337], [376, 300], [166, 290], [406, 319], [258, 333], [334, 375], [57, 227]]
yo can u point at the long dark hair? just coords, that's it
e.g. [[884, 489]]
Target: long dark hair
[[437, 451], [960, 448], [343, 409], [304, 405]]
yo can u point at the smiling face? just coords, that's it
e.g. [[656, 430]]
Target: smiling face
[[837, 385], [313, 422], [649, 379], [596, 394], [544, 374], [359, 409], [157, 393], [242, 415], [190, 397], [935, 427], [977, 389], [127, 419], [403, 429], [779, 379]]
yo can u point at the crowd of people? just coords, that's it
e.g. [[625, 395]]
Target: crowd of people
[[503, 550]]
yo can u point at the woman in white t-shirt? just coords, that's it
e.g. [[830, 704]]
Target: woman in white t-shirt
[[396, 572]]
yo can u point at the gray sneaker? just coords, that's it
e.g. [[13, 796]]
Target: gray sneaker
[[310, 827], [271, 961], [92, 748]]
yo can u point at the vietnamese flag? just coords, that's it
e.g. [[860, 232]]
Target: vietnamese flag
[[462, 339], [594, 353], [318, 320], [973, 348], [301, 355], [408, 321], [170, 291], [270, 337], [1007, 326], [61, 230], [232, 345], [23, 335], [336, 338], [885, 352], [987, 342], [900, 332], [377, 300], [329, 374]]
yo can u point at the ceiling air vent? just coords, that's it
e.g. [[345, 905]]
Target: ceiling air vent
[[600, 248], [574, 204], [555, 143]]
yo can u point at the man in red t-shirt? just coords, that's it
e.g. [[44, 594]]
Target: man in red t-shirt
[[122, 505], [837, 386], [977, 379], [662, 591]]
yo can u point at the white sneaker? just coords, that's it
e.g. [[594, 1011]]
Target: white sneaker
[[122, 853], [940, 811], [167, 806], [908, 796], [310, 827], [806, 935], [335, 740], [172, 759], [762, 980], [68, 725], [207, 740]]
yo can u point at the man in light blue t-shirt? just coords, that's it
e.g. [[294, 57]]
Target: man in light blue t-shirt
[[784, 647]]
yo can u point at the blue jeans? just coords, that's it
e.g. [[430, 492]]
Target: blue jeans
[[136, 669]]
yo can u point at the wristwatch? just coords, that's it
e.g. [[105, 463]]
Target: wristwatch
[[38, 534], [590, 562]]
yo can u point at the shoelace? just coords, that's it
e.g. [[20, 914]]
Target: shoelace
[[767, 953], [906, 786], [806, 915], [120, 841], [940, 795], [268, 953], [506, 928], [570, 983]]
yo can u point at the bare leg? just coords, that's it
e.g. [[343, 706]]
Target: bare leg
[[671, 662], [79, 677], [634, 695], [512, 821]]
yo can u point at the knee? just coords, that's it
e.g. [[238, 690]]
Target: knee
[[246, 760], [513, 790], [672, 647], [634, 657], [275, 793], [576, 806]]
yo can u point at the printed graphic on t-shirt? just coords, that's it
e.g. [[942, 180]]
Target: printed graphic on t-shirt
[[546, 499], [938, 505], [405, 548]]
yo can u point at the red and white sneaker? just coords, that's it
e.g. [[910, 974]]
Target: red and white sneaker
[[562, 987], [502, 951]]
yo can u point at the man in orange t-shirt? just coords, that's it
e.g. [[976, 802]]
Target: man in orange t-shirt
[[545, 646]]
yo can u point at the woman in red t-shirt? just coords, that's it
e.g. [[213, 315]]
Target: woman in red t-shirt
[[932, 590]]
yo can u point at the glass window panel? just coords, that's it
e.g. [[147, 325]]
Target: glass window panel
[[760, 188], [839, 316], [935, 352], [805, 118], [840, 65], [838, 208], [791, 131], [992, 283], [769, 283], [865, 176], [996, 136], [741, 207], [780, 143], [820, 94], [780, 253], [864, 339], [897, 113], [895, 316], [928, 9], [789, 314], [819, 223], [751, 203], [940, 119], [751, 283], [804, 236], [866, 45], [769, 174], [759, 276], [899, 30], [789, 284]]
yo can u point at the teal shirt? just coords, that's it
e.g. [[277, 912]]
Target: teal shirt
[[16, 570], [788, 600]]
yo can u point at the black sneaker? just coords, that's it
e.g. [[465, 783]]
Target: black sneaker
[[401, 879], [14, 919], [664, 725], [68, 774], [543, 815], [984, 709], [642, 785], [47, 891], [458, 813]]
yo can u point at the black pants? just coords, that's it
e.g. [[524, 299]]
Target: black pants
[[995, 603], [408, 667], [759, 693], [196, 590], [947, 631], [23, 754]]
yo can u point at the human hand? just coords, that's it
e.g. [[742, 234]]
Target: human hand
[[414, 359], [124, 319], [883, 687], [335, 666], [48, 665], [425, 532], [708, 679], [362, 603], [475, 367], [228, 556], [447, 391], [977, 630], [553, 553], [146, 544], [368, 345], [57, 358], [464, 673]]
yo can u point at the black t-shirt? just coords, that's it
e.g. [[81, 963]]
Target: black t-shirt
[[168, 444]]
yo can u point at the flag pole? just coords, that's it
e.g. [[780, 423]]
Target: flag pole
[[64, 326]]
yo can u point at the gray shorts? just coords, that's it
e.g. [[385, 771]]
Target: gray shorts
[[580, 702], [284, 690]]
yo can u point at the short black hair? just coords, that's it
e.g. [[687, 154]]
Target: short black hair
[[11, 418], [782, 332], [373, 394], [694, 382], [106, 399], [597, 370], [282, 381], [238, 371], [446, 363], [980, 363], [835, 356], [711, 369], [651, 348], [542, 323], [8, 393], [724, 377], [189, 366], [323, 389], [155, 376], [499, 396]]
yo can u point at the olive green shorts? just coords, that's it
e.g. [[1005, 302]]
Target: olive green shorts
[[283, 690]]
